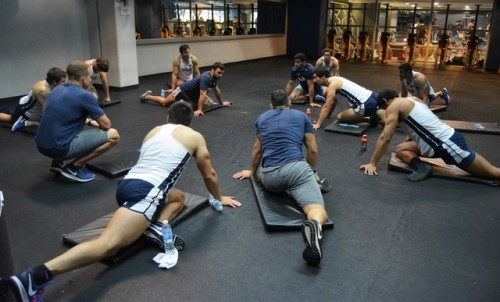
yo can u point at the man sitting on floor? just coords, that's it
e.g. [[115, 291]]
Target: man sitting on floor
[[193, 91], [281, 132], [305, 92], [430, 137], [146, 197], [60, 134], [30, 107]]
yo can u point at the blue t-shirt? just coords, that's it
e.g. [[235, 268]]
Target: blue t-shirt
[[66, 109], [302, 75], [190, 90], [281, 134]]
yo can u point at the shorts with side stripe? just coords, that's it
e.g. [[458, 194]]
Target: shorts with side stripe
[[455, 151], [368, 108], [140, 196]]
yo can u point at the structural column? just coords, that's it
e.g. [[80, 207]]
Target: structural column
[[112, 36], [493, 59], [306, 27]]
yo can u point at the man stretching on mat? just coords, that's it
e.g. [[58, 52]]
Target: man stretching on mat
[[430, 137], [193, 91], [99, 68], [281, 132], [417, 84], [60, 134], [146, 196], [363, 102]]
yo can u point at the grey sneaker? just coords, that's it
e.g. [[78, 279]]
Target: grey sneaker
[[145, 95]]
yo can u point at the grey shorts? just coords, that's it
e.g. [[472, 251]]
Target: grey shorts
[[295, 178], [86, 142]]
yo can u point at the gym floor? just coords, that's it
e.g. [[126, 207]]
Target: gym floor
[[394, 240]]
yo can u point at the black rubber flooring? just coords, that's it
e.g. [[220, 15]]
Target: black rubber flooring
[[393, 240]]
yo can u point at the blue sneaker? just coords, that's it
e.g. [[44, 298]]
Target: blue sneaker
[[445, 96], [78, 174], [319, 99], [19, 124], [145, 95], [24, 287]]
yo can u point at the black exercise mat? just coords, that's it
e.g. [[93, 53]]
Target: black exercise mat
[[103, 103], [212, 107], [350, 129], [441, 170], [93, 230], [29, 130], [279, 212], [438, 108], [474, 127], [114, 166]]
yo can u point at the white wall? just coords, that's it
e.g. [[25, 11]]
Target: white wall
[[156, 55], [38, 35]]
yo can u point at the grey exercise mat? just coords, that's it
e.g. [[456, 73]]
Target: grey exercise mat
[[474, 127], [350, 129], [440, 169], [279, 212], [93, 230]]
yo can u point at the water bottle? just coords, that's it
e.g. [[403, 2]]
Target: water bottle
[[168, 238], [162, 93], [215, 203]]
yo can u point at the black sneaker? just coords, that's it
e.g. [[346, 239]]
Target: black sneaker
[[24, 287], [312, 235], [56, 166], [324, 185], [153, 234], [4, 290]]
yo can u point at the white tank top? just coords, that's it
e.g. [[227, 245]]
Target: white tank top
[[162, 158], [185, 69], [353, 93], [425, 128], [413, 90], [329, 66]]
